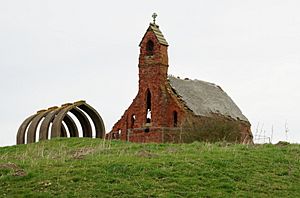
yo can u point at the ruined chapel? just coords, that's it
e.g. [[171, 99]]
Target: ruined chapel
[[170, 109]]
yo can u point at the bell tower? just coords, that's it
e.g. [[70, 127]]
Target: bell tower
[[153, 72], [153, 59]]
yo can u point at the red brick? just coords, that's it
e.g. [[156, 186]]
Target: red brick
[[153, 71]]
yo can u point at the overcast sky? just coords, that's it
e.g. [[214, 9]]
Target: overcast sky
[[58, 51]]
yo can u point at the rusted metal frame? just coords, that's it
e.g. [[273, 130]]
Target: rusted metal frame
[[96, 118], [22, 129], [82, 118], [44, 129], [63, 131], [57, 122], [84, 122], [57, 116], [31, 133], [73, 130]]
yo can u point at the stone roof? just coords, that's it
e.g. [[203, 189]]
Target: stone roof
[[205, 98], [160, 37]]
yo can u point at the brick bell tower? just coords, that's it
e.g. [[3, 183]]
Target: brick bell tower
[[168, 109], [152, 109], [153, 71]]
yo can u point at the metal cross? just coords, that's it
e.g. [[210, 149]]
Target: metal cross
[[154, 15]]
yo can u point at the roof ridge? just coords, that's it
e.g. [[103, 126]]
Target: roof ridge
[[158, 34], [205, 98], [195, 80]]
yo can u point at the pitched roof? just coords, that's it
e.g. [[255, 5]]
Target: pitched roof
[[160, 37], [204, 98]]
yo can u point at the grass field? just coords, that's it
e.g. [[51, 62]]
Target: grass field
[[82, 167]]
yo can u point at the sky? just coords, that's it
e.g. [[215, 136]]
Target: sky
[[58, 51]]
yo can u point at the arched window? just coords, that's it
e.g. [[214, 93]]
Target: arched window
[[175, 118], [132, 121], [150, 48], [119, 134], [148, 106]]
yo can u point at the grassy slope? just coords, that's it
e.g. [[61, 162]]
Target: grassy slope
[[90, 167]]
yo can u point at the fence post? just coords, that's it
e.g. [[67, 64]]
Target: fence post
[[162, 135], [128, 132], [180, 135]]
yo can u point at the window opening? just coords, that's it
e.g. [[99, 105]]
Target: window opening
[[132, 121], [150, 48], [175, 119], [119, 133], [148, 104]]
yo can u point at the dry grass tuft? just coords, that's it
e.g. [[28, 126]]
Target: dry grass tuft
[[17, 171], [80, 153], [146, 154]]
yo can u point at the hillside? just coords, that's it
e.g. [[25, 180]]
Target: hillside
[[95, 168]]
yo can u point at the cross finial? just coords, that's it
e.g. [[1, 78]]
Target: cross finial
[[154, 15]]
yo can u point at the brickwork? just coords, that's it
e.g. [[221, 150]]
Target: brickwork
[[153, 71], [169, 115]]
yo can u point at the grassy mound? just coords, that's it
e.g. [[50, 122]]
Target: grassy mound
[[82, 167]]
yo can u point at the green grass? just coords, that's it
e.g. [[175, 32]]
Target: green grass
[[95, 168]]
